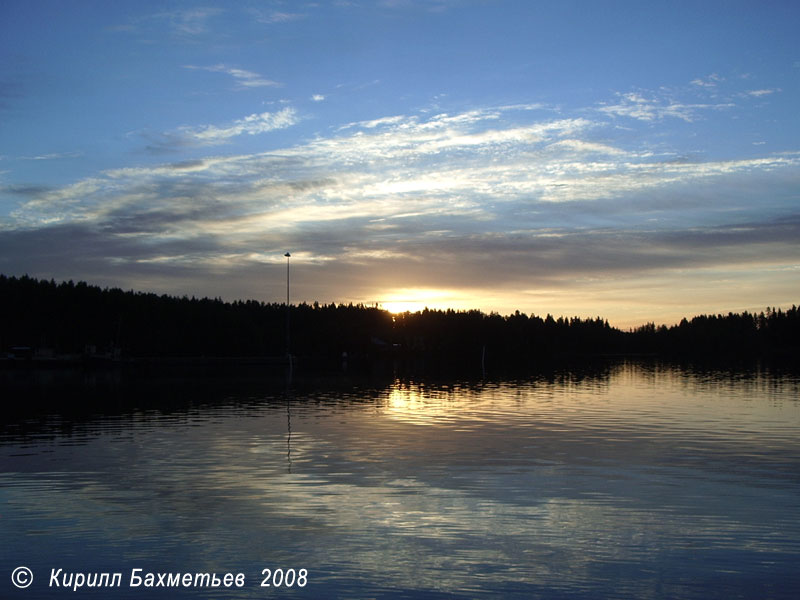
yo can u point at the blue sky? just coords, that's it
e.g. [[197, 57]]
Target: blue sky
[[634, 160]]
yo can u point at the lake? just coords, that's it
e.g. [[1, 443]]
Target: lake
[[618, 480]]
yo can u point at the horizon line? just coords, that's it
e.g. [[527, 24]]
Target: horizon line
[[379, 305]]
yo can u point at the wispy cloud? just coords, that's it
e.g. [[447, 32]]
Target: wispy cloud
[[213, 135], [635, 105], [275, 16], [710, 82], [473, 165], [427, 5], [244, 79], [192, 21], [763, 92], [185, 23], [28, 191], [254, 124], [53, 156], [556, 199]]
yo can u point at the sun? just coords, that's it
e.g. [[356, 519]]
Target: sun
[[402, 306], [417, 299]]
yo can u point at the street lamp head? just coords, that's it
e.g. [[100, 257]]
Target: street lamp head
[[287, 255]]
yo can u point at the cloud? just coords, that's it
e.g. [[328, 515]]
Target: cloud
[[244, 79], [186, 24], [213, 135], [435, 6], [331, 265], [473, 163], [463, 138], [686, 103], [254, 124], [30, 191], [637, 106], [711, 82], [53, 156], [493, 198], [760, 93], [317, 97], [271, 17], [183, 23]]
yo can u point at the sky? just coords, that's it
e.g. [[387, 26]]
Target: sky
[[638, 161]]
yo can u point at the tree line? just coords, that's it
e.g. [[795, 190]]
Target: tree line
[[772, 332], [74, 318]]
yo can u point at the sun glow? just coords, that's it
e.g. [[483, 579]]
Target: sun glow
[[401, 306], [416, 299]]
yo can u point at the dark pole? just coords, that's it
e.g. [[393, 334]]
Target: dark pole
[[288, 339]]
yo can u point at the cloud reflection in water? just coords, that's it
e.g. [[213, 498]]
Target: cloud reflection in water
[[625, 482]]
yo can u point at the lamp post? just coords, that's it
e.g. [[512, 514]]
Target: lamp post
[[288, 339], [289, 374]]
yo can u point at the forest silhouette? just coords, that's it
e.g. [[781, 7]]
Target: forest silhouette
[[76, 319]]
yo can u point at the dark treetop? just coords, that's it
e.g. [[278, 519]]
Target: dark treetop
[[59, 319]]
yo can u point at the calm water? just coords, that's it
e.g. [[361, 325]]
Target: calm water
[[623, 481]]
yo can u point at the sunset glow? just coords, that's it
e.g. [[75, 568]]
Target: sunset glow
[[447, 154], [415, 300]]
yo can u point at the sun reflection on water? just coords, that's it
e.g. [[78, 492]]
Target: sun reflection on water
[[410, 404], [647, 481]]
